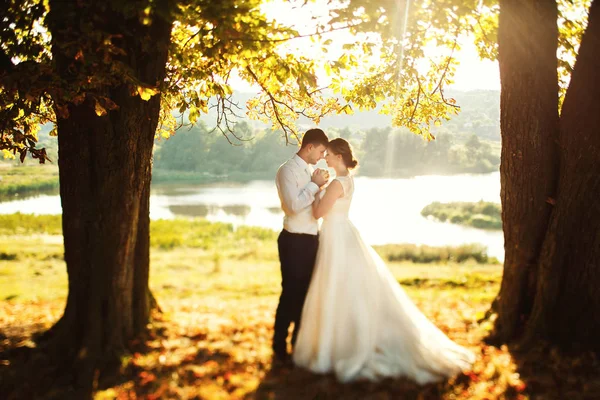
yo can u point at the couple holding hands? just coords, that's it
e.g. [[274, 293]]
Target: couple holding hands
[[351, 317]]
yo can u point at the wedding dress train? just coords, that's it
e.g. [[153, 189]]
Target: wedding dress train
[[358, 322]]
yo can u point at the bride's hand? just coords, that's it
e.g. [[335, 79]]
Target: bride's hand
[[325, 174], [318, 177]]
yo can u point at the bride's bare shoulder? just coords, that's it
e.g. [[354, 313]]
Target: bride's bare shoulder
[[336, 184]]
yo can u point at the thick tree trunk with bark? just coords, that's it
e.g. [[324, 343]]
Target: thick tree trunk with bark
[[567, 303], [105, 169], [527, 40], [551, 275]]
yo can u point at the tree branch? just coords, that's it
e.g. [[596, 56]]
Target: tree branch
[[412, 116], [446, 68], [286, 128], [296, 36], [280, 40]]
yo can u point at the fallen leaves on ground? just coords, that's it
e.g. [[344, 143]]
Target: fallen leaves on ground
[[217, 350]]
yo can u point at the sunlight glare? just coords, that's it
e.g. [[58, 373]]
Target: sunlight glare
[[472, 73]]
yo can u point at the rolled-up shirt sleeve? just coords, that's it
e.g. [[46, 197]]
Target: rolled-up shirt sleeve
[[294, 198]]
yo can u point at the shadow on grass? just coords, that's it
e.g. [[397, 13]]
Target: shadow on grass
[[226, 355], [192, 364], [296, 383], [548, 373], [28, 372]]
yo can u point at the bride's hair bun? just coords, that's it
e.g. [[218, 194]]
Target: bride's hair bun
[[343, 148]]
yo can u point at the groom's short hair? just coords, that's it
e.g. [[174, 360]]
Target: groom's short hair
[[314, 136]]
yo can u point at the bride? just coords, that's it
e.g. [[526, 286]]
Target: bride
[[357, 321]]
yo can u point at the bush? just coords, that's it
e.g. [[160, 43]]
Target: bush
[[428, 254], [25, 224], [484, 222], [7, 256], [482, 215], [457, 218], [491, 209], [166, 241]]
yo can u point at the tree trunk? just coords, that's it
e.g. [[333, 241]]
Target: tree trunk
[[527, 40], [551, 278], [567, 304], [105, 169]]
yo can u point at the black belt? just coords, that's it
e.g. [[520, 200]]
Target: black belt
[[299, 234]]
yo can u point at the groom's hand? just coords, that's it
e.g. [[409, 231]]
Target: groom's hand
[[318, 177]]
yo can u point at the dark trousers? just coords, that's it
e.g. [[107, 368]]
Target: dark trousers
[[297, 254]]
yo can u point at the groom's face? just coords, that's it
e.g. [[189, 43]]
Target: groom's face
[[316, 153]]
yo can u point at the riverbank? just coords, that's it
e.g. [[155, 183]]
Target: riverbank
[[222, 240], [21, 180], [385, 210]]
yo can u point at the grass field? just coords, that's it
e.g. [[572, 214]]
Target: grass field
[[218, 297]]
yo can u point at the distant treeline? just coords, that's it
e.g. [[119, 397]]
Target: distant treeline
[[198, 154], [468, 143]]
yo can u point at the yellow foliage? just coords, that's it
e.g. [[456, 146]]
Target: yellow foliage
[[146, 92]]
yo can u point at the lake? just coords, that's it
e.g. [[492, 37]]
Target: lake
[[384, 210]]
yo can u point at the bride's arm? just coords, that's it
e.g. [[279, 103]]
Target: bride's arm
[[322, 205]]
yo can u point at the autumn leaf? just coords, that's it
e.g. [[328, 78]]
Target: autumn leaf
[[158, 394], [99, 109], [146, 377], [146, 92]]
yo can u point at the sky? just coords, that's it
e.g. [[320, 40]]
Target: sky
[[472, 73]]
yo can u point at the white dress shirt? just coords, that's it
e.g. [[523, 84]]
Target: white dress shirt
[[297, 193]]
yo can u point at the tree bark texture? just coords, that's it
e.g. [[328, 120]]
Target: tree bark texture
[[105, 170], [567, 303], [527, 40], [550, 178]]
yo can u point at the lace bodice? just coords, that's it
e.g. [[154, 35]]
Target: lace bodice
[[341, 207]]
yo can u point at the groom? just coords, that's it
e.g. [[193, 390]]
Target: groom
[[297, 185]]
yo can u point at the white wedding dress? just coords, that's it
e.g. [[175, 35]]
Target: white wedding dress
[[358, 322]]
